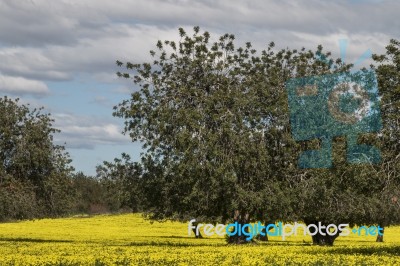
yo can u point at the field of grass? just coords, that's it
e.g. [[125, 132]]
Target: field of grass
[[129, 240]]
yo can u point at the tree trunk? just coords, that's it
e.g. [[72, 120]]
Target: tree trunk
[[240, 219], [264, 231], [194, 230], [322, 239], [379, 238], [263, 237]]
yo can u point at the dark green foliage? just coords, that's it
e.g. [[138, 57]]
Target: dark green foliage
[[120, 181], [89, 194], [388, 72], [214, 121], [17, 200], [34, 173], [202, 113]]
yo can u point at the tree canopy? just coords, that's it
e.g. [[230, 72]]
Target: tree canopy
[[34, 172], [214, 120]]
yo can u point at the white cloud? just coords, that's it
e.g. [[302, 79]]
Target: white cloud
[[21, 86], [50, 40], [85, 132], [95, 56], [123, 90], [30, 63]]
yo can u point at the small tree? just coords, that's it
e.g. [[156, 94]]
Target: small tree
[[121, 183], [90, 194], [31, 166]]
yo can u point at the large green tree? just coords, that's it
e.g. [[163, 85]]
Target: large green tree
[[214, 121], [203, 111]]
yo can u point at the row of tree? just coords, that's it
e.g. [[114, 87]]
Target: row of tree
[[215, 126]]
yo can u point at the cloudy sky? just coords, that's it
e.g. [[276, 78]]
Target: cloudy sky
[[61, 54]]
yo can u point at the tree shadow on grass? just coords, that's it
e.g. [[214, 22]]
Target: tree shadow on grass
[[374, 250], [176, 244], [34, 240], [178, 237]]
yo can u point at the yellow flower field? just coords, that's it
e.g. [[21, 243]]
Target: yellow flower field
[[130, 240]]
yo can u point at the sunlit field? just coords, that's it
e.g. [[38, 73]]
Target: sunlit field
[[129, 240]]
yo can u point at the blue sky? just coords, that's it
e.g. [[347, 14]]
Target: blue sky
[[61, 54]]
